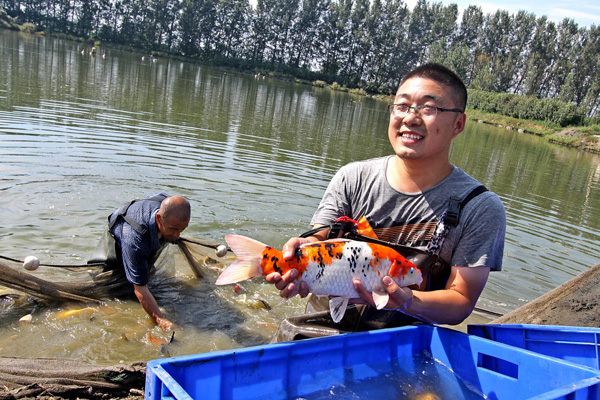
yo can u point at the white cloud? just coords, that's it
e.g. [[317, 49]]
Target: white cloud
[[581, 17]]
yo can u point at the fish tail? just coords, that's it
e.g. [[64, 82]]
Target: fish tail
[[249, 254]]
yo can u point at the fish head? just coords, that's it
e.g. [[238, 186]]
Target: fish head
[[404, 272]]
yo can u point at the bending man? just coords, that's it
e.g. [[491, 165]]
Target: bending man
[[137, 233]]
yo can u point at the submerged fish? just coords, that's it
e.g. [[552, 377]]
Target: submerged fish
[[327, 267], [81, 312], [162, 343]]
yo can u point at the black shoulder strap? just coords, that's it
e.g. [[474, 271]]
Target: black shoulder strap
[[130, 220], [456, 204]]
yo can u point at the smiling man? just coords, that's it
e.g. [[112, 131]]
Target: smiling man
[[418, 199], [136, 235]]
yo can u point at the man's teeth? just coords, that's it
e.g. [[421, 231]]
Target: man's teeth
[[411, 136]]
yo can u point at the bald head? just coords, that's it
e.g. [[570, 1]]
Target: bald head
[[176, 207], [173, 217]]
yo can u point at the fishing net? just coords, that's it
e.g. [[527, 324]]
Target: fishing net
[[59, 378], [95, 281]]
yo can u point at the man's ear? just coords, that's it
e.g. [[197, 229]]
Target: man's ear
[[459, 125]]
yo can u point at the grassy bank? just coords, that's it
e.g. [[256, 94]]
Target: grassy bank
[[585, 138]]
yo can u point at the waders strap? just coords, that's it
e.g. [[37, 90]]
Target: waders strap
[[130, 220], [336, 229], [456, 204], [313, 231]]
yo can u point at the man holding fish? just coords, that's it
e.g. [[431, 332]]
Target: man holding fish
[[404, 199], [136, 235]]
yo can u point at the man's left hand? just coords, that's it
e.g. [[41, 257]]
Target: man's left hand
[[400, 297]]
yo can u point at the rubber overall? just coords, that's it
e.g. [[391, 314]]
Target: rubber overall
[[108, 253]]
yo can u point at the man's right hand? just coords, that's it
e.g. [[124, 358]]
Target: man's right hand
[[165, 324], [286, 284]]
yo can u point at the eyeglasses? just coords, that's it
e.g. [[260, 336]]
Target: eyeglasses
[[401, 110]]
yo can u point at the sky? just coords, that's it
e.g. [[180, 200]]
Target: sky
[[584, 12]]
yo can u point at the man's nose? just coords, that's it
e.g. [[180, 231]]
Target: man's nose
[[412, 116]]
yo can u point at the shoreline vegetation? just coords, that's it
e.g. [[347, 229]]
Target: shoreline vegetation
[[572, 130]]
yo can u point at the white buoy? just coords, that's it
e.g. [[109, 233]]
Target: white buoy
[[31, 263], [26, 319], [221, 250]]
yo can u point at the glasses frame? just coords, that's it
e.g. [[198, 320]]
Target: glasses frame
[[419, 108]]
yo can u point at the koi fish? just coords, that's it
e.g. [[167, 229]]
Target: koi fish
[[327, 267], [162, 343], [82, 312], [156, 341]]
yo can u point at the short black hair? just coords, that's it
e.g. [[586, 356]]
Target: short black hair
[[443, 75]]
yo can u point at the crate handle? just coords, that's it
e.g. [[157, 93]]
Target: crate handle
[[497, 365], [171, 384]]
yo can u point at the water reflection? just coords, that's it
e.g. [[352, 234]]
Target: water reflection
[[552, 218], [80, 135]]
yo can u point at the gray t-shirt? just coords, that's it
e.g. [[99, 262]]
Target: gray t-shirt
[[361, 189]]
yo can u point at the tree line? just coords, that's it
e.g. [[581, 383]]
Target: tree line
[[367, 44]]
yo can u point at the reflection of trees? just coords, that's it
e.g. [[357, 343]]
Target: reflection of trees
[[353, 42], [557, 180]]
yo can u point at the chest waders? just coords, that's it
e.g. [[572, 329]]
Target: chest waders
[[107, 251], [317, 322]]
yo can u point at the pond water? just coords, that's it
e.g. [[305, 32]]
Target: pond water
[[80, 135]]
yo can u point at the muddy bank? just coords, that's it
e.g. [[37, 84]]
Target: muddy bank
[[574, 303]]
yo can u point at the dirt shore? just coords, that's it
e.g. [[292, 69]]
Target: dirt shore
[[574, 303]]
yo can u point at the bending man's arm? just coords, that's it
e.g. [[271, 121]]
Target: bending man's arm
[[449, 306], [150, 305]]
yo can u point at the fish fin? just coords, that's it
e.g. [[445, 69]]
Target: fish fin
[[394, 269], [337, 308], [381, 298], [247, 266], [364, 228], [240, 270], [282, 302], [244, 247]]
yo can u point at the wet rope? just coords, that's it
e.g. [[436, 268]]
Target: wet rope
[[212, 245]]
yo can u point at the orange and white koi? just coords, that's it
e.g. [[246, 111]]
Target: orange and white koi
[[327, 267]]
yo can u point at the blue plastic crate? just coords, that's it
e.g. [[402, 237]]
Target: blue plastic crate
[[312, 367], [572, 343]]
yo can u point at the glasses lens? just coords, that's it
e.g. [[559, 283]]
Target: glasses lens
[[428, 111], [399, 109]]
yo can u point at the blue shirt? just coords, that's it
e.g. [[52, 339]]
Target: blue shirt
[[138, 244]]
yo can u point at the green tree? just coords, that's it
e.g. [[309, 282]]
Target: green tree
[[523, 24], [335, 37], [309, 24], [587, 72], [469, 36], [232, 17], [86, 15], [418, 34], [165, 18], [389, 55], [540, 58], [283, 18]]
